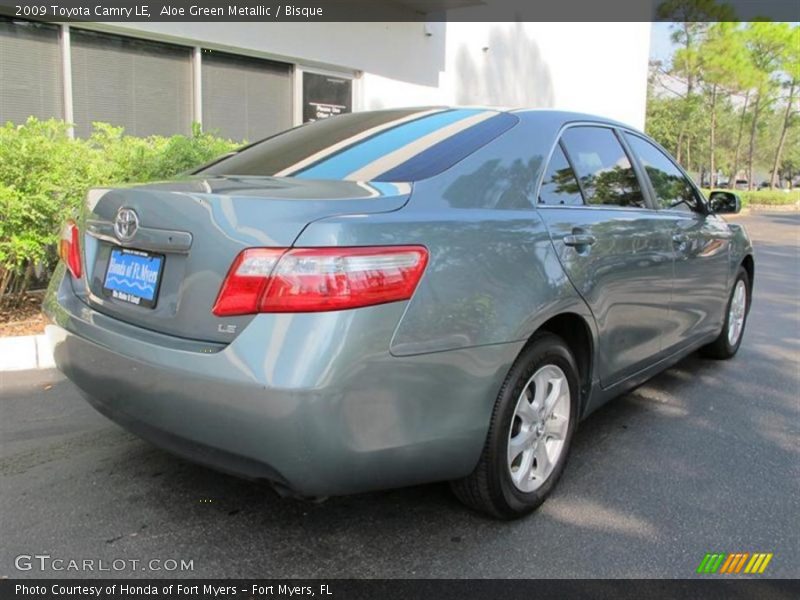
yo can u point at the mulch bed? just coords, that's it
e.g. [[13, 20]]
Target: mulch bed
[[24, 317]]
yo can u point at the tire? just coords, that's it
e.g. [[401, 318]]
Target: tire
[[723, 347], [499, 486]]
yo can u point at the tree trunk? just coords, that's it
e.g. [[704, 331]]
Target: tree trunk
[[787, 118], [688, 153], [752, 148], [712, 176], [26, 282], [735, 172], [5, 280]]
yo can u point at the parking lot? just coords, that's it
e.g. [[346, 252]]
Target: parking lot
[[704, 458]]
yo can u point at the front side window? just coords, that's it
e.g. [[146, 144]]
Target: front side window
[[672, 189], [560, 186], [606, 175]]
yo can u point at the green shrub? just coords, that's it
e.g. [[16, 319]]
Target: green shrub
[[45, 174], [770, 197], [766, 197]]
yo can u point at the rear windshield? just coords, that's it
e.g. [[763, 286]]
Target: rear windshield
[[388, 145]]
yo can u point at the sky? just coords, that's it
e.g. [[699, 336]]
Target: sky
[[660, 44]]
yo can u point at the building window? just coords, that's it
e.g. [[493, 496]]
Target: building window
[[245, 98], [325, 96], [143, 86], [30, 71]]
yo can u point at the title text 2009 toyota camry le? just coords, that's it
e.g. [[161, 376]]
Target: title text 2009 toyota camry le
[[396, 297]]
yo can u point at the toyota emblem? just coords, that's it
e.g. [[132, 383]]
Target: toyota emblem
[[126, 224]]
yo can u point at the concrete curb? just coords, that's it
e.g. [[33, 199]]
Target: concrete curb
[[25, 352]]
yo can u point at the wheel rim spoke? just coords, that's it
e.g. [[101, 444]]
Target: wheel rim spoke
[[553, 396], [518, 444], [542, 466], [556, 428], [525, 410], [522, 473], [540, 389]]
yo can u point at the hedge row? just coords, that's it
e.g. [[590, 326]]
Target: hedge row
[[766, 197], [44, 176]]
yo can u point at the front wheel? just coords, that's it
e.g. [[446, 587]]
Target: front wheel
[[529, 435], [730, 338]]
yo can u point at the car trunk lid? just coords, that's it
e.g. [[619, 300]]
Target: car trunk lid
[[178, 239]]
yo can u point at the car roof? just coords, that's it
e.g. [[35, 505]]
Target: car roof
[[550, 114], [527, 114], [565, 116]]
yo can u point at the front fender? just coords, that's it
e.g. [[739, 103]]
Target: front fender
[[741, 246]]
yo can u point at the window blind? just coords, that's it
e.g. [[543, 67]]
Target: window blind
[[143, 86], [30, 71], [245, 98]]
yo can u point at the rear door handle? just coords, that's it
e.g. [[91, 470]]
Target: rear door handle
[[579, 239]]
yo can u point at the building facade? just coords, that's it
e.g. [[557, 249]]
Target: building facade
[[245, 81]]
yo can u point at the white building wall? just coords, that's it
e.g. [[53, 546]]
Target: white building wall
[[598, 68]]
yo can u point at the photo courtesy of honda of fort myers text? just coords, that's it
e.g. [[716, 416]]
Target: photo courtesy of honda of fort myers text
[[420, 298], [172, 589]]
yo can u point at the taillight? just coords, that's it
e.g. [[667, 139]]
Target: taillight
[[319, 279], [69, 248], [246, 281]]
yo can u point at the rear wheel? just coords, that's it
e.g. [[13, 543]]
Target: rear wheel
[[730, 338], [529, 435]]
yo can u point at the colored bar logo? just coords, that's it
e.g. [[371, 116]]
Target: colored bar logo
[[734, 563]]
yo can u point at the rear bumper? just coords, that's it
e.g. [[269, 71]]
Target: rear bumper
[[314, 402]]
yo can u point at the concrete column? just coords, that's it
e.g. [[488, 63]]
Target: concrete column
[[66, 78]]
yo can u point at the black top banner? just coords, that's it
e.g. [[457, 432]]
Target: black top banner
[[402, 10]]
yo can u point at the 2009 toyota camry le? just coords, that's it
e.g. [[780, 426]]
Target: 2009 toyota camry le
[[396, 297]]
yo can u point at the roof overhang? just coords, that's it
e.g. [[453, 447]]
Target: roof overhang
[[436, 6]]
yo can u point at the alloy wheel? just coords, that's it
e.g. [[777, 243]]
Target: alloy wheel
[[539, 428], [737, 312]]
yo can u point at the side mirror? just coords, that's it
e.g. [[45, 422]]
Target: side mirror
[[725, 203]]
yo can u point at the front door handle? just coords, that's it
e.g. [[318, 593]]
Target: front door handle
[[579, 239]]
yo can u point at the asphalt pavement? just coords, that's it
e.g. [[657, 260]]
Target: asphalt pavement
[[703, 458]]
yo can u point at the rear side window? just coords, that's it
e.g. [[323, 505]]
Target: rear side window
[[606, 175], [672, 188], [393, 145], [560, 186]]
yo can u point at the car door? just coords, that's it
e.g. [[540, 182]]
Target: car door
[[612, 245], [700, 243]]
